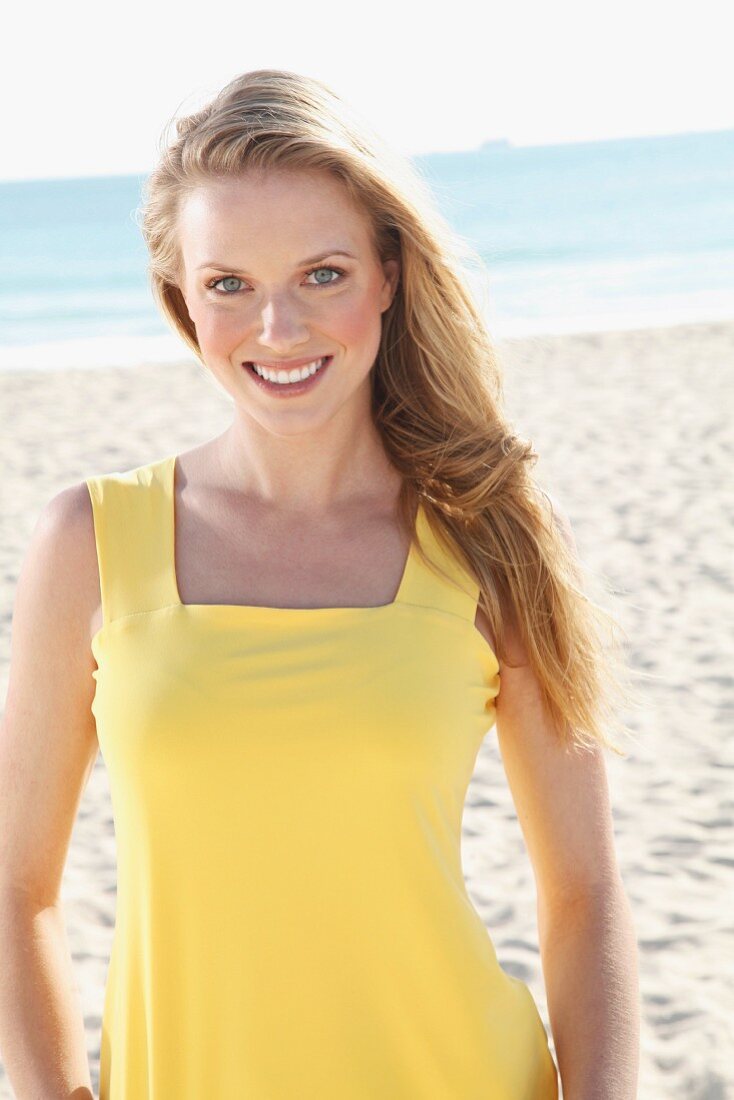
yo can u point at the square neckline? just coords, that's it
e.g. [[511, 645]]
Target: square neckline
[[170, 494]]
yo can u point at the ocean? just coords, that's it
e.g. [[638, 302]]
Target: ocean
[[578, 237]]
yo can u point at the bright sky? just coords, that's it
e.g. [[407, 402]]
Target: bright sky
[[87, 88]]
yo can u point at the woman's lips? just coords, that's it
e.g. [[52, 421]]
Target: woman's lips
[[286, 389]]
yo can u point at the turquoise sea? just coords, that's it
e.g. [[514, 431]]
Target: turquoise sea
[[576, 238]]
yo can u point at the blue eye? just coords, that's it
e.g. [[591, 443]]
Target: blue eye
[[224, 279], [323, 282], [229, 292]]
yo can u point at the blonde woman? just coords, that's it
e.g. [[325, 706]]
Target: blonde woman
[[289, 644]]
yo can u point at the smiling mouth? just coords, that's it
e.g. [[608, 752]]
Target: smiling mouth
[[285, 377]]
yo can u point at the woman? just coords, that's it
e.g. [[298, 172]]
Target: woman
[[303, 629]]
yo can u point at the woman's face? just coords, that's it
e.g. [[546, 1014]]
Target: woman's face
[[265, 281]]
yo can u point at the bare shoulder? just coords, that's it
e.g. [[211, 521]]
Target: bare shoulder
[[514, 648], [59, 576]]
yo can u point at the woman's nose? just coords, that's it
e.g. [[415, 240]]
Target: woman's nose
[[281, 321]]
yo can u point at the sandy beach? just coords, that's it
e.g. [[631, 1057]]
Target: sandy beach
[[634, 434]]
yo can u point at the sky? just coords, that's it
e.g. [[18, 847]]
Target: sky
[[88, 89]]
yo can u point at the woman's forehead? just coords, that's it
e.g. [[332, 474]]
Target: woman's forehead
[[267, 188], [302, 217]]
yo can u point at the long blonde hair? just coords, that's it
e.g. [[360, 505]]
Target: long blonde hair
[[436, 383]]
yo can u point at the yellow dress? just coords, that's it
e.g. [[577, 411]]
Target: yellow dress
[[287, 788]]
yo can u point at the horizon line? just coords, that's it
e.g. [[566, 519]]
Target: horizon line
[[499, 142]]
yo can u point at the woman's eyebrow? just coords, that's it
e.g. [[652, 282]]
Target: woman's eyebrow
[[303, 263]]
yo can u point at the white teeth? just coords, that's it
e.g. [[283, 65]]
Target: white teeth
[[297, 374]]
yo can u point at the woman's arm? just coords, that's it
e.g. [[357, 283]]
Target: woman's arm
[[587, 939], [589, 956], [48, 746]]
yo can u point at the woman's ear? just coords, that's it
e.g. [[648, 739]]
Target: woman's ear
[[392, 276]]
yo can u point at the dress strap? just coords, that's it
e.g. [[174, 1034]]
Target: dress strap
[[447, 584], [133, 537]]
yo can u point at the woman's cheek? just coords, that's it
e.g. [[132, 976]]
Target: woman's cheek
[[356, 322], [218, 330]]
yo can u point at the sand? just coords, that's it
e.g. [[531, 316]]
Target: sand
[[634, 434]]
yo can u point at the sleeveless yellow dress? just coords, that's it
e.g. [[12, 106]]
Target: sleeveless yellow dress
[[287, 788]]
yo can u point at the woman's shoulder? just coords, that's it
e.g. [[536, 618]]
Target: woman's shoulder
[[59, 571]]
